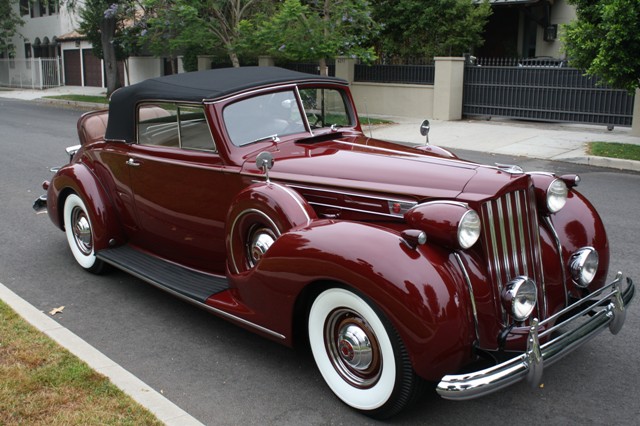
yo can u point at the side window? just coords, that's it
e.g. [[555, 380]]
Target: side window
[[194, 129], [176, 126], [325, 108], [158, 125]]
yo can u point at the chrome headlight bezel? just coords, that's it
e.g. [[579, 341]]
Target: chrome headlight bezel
[[557, 193], [469, 229], [583, 265], [520, 297]]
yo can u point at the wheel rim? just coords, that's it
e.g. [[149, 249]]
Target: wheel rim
[[353, 348], [81, 228]]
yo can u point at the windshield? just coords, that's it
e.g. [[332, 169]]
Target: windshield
[[263, 117], [274, 115], [325, 108]]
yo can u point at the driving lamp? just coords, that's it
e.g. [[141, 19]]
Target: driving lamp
[[519, 297]]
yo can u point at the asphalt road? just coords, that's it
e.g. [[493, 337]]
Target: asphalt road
[[222, 374]]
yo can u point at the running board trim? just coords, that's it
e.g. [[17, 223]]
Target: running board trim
[[117, 258]]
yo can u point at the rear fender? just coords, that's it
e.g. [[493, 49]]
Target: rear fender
[[77, 178], [422, 292]]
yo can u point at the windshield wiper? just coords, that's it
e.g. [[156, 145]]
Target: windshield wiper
[[273, 137]]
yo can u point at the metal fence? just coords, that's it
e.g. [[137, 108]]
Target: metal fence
[[547, 91], [32, 73], [403, 74], [309, 68]]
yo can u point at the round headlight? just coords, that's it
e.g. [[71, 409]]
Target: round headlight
[[556, 195], [584, 265], [519, 297], [469, 229]]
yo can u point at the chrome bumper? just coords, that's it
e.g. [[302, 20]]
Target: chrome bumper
[[605, 307]]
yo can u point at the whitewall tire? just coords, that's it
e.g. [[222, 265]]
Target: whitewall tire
[[359, 354], [79, 231]]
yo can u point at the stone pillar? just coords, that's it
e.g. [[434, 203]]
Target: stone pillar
[[204, 62], [346, 68], [266, 61], [180, 64], [144, 67], [447, 87], [635, 120]]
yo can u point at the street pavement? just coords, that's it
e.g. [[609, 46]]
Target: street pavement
[[549, 141]]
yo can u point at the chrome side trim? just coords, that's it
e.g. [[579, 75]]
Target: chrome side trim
[[604, 308], [351, 209], [556, 239], [297, 201], [353, 194], [471, 295]]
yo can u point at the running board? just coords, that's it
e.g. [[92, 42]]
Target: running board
[[185, 282]]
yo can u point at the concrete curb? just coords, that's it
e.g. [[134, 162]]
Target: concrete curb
[[165, 410]]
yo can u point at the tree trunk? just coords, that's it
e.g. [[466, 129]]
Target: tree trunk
[[235, 61], [324, 69], [108, 30]]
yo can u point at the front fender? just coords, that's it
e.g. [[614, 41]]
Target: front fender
[[422, 292], [578, 225], [77, 178]]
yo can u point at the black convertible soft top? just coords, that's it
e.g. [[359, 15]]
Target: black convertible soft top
[[192, 87]]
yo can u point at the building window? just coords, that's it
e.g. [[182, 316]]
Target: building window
[[27, 54], [24, 7]]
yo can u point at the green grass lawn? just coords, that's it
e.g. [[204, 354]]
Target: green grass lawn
[[81, 98], [42, 383], [615, 150]]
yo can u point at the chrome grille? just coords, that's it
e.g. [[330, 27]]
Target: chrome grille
[[512, 241]]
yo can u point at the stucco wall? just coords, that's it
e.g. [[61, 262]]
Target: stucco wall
[[402, 100]]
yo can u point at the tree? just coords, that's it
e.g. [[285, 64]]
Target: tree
[[110, 27], [317, 31], [169, 27], [415, 28], [605, 41], [9, 23]]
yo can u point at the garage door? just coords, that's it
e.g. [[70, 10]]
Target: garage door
[[72, 70]]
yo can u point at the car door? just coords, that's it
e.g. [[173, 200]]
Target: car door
[[181, 189]]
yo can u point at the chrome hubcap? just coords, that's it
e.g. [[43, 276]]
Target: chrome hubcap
[[81, 228], [353, 348], [261, 240]]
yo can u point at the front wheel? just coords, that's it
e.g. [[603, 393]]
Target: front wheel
[[360, 355], [79, 231]]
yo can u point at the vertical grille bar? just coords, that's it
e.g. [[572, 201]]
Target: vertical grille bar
[[512, 241]]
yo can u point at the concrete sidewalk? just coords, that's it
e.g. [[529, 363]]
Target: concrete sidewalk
[[549, 141]]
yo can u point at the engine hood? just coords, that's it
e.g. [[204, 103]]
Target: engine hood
[[360, 163]]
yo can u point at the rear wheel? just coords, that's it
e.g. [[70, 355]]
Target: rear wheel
[[79, 231], [360, 355]]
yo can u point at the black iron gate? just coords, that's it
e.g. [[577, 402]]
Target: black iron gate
[[545, 93]]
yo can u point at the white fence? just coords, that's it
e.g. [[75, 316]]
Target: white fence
[[32, 73]]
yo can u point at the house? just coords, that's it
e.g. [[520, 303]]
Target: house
[[525, 28]]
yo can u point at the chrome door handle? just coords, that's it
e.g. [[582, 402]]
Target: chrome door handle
[[132, 162]]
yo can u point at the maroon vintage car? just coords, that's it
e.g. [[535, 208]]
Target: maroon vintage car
[[254, 194]]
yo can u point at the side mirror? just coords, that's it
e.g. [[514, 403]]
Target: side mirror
[[424, 130], [264, 162]]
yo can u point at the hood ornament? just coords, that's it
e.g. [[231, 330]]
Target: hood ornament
[[510, 168]]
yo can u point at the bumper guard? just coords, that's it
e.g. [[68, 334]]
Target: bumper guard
[[604, 307]]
